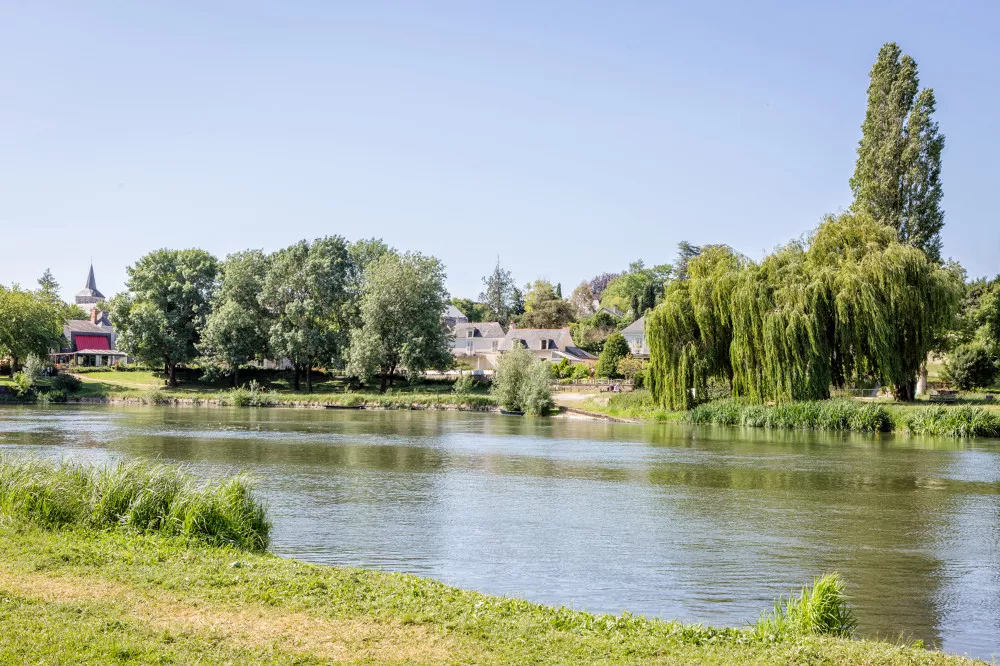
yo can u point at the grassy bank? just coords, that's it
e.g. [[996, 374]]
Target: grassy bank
[[920, 418], [147, 387], [115, 592]]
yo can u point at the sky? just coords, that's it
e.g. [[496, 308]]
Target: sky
[[567, 138]]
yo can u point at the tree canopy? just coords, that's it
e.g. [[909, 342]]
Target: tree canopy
[[636, 290], [30, 324], [851, 304], [545, 308], [160, 316], [501, 295], [401, 305], [897, 178]]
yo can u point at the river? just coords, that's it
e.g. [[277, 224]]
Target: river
[[699, 524]]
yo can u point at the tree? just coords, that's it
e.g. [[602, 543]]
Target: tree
[[29, 324], [48, 289], [307, 297], [472, 310], [592, 333], [849, 306], [615, 349], [599, 283], [160, 316], [583, 299], [501, 295], [637, 290], [401, 304], [522, 382], [630, 367], [544, 309], [897, 178], [685, 253], [236, 330], [971, 365]]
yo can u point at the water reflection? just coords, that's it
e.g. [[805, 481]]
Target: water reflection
[[702, 524]]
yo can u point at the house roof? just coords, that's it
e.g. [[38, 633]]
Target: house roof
[[93, 342], [559, 337], [84, 326], [483, 329], [638, 326], [452, 312], [611, 311], [90, 289]]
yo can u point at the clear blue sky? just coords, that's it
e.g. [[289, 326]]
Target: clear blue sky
[[569, 138]]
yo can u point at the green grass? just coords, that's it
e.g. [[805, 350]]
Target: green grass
[[133, 496], [633, 405], [84, 596]]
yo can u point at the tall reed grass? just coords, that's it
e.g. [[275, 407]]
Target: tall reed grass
[[818, 414], [822, 610], [136, 496]]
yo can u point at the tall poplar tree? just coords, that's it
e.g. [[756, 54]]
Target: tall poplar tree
[[897, 178]]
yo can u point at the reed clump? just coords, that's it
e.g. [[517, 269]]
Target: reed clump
[[822, 610], [134, 496], [815, 414]]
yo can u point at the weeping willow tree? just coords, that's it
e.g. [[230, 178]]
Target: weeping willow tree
[[850, 304]]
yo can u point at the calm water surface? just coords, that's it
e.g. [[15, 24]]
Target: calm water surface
[[699, 524]]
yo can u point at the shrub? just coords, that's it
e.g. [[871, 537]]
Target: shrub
[[580, 371], [251, 395], [66, 383], [615, 349], [135, 496], [55, 395], [154, 396], [521, 382], [23, 385], [822, 610], [34, 367], [971, 366], [464, 384]]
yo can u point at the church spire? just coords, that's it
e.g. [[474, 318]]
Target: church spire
[[91, 282]]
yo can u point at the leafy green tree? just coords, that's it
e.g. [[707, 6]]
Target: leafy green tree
[[48, 288], [522, 382], [29, 324], [615, 349], [592, 333], [850, 306], [472, 310], [630, 367], [160, 316], [544, 309], [637, 290], [685, 253], [897, 179], [971, 365], [401, 305], [307, 296], [501, 295], [236, 330]]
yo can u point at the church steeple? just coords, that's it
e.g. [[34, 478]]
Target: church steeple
[[90, 294]]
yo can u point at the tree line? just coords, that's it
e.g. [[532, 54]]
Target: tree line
[[362, 307]]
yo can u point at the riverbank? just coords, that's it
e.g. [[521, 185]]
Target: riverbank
[[82, 596], [843, 414]]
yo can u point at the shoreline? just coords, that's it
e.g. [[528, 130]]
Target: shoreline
[[165, 598]]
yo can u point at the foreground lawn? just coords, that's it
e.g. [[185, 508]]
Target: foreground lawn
[[83, 596]]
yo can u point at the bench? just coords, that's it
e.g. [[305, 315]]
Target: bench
[[944, 395]]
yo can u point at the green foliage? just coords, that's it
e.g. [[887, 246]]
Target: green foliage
[[464, 384], [307, 295], [67, 383], [615, 349], [501, 296], [897, 179], [34, 367], [561, 369], [472, 310], [971, 365], [952, 422], [30, 323], [522, 383], [237, 328], [401, 304], [637, 290], [631, 368], [851, 305], [160, 317], [251, 395], [544, 308], [821, 611], [23, 385], [134, 496], [580, 371], [814, 414]]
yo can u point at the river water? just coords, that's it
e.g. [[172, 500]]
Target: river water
[[699, 524]]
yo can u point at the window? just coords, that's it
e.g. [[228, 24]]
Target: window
[[468, 347], [470, 333], [545, 344], [495, 345]]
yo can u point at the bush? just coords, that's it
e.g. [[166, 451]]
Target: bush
[[134, 496], [251, 395], [615, 349], [34, 367], [66, 383], [971, 366], [23, 385], [464, 384], [521, 382], [580, 371], [55, 395]]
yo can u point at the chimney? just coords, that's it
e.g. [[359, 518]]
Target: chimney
[[93, 316]]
